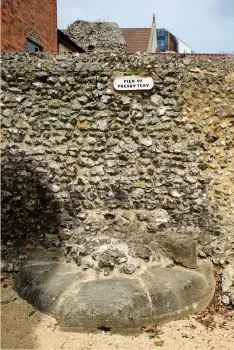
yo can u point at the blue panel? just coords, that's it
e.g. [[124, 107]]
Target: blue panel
[[31, 47], [162, 40]]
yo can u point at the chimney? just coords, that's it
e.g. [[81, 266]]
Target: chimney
[[152, 44]]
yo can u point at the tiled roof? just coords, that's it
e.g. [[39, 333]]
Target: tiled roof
[[136, 38], [64, 32]]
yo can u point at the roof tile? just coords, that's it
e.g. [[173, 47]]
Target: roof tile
[[136, 38]]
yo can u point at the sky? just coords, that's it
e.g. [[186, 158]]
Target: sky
[[207, 26]]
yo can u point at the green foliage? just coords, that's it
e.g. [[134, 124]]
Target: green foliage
[[69, 25], [100, 21]]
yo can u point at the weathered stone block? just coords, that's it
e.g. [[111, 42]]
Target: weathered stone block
[[183, 250], [120, 304]]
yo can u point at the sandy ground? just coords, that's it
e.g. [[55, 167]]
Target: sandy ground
[[24, 328]]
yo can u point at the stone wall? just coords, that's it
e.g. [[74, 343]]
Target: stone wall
[[113, 175], [95, 36], [28, 20]]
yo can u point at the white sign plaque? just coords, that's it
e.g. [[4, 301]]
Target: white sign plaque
[[133, 83]]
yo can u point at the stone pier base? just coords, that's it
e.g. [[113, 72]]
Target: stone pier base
[[121, 304]]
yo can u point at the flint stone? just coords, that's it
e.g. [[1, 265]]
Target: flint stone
[[105, 98], [162, 111], [129, 269], [125, 100], [91, 140], [137, 106], [76, 106], [142, 216], [130, 147], [61, 57], [146, 142], [156, 99], [102, 125], [176, 194], [55, 188], [54, 104], [129, 215], [142, 252], [226, 299], [43, 76], [61, 150], [195, 70], [70, 160], [38, 85], [22, 124], [116, 126], [81, 216], [83, 99], [100, 86], [83, 161], [138, 193], [8, 113], [228, 277], [97, 170], [34, 151], [110, 257], [190, 179], [87, 263], [19, 99], [161, 216], [6, 266]]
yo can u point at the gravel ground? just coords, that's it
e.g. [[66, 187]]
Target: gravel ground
[[24, 328]]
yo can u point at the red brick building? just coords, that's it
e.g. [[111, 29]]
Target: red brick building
[[29, 25]]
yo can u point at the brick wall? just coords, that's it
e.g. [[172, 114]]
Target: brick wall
[[29, 19]]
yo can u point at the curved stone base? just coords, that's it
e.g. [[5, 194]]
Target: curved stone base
[[120, 304]]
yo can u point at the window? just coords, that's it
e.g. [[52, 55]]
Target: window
[[32, 47], [162, 42]]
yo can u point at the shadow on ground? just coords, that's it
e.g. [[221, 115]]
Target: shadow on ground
[[18, 319]]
